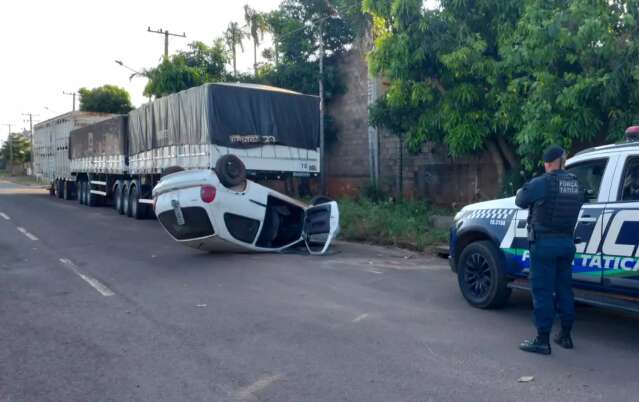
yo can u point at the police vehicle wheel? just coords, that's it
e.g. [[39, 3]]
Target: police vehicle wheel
[[230, 171], [481, 276]]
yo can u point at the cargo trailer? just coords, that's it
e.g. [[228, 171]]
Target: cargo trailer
[[51, 162]]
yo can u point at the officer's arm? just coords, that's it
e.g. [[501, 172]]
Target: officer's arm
[[531, 192]]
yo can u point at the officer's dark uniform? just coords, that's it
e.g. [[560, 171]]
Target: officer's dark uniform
[[554, 201]]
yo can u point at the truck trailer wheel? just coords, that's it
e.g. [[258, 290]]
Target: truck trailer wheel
[[59, 189], [230, 171], [126, 201], [481, 276], [138, 210], [92, 199], [78, 187], [67, 191], [118, 202]]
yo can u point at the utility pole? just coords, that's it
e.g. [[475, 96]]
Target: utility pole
[[71, 94], [321, 95], [166, 34], [10, 145], [32, 138]]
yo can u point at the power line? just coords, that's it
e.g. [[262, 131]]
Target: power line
[[166, 34]]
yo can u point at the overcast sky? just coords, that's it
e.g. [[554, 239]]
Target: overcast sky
[[49, 47]]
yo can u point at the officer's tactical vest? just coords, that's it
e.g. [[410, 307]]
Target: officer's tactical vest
[[557, 213]]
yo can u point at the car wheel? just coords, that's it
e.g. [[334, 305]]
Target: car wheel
[[320, 199], [230, 171], [126, 204], [481, 276]]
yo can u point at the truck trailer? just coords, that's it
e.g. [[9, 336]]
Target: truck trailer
[[120, 158], [51, 162]]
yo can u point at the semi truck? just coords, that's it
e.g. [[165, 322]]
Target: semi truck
[[118, 159]]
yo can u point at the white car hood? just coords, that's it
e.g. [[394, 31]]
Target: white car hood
[[501, 203]]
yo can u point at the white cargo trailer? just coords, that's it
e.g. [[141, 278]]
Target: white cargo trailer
[[51, 148]]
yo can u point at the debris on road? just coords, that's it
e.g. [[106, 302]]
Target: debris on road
[[526, 378]]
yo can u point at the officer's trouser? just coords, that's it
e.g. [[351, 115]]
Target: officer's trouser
[[551, 279]]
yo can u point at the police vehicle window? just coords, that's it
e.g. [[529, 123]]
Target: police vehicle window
[[630, 182], [589, 175]]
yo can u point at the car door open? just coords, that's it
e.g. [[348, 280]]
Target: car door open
[[321, 226]]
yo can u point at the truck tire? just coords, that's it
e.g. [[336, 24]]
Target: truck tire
[[79, 192], [118, 192], [91, 199], [59, 189], [138, 210], [82, 194], [126, 201], [481, 275], [66, 190], [230, 171]]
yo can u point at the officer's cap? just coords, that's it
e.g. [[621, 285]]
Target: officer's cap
[[552, 153]]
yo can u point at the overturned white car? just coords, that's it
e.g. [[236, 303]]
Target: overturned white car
[[220, 210]]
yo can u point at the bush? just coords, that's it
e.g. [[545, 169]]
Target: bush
[[405, 224]]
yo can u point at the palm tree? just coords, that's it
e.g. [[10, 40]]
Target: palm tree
[[234, 37], [257, 25]]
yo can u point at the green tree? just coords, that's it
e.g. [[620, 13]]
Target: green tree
[[509, 77], [198, 64], [233, 37], [257, 25], [105, 99], [573, 73], [15, 150]]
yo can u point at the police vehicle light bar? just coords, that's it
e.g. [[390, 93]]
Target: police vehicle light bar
[[632, 134]]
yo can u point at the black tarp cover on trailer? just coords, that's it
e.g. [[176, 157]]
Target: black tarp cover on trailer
[[105, 138], [231, 115]]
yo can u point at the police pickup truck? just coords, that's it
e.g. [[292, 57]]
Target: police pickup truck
[[489, 245]]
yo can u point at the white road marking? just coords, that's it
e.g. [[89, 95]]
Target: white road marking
[[360, 317], [95, 284], [250, 391], [29, 235], [5, 216], [374, 271]]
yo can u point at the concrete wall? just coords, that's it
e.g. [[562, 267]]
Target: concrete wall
[[431, 174]]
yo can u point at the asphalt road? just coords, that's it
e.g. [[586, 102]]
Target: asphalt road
[[98, 307]]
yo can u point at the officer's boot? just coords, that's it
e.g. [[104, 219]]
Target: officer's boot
[[564, 339], [541, 344]]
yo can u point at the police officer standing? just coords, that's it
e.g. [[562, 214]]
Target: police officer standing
[[553, 200]]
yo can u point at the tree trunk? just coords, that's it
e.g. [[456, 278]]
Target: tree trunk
[[509, 154], [400, 173], [255, 57], [498, 160], [234, 63]]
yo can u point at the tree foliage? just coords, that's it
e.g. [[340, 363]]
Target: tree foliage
[[105, 99], [510, 74], [16, 149], [198, 64]]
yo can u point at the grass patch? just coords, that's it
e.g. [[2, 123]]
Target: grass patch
[[406, 224], [25, 180]]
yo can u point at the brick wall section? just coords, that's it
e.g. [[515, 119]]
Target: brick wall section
[[430, 174], [347, 158]]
